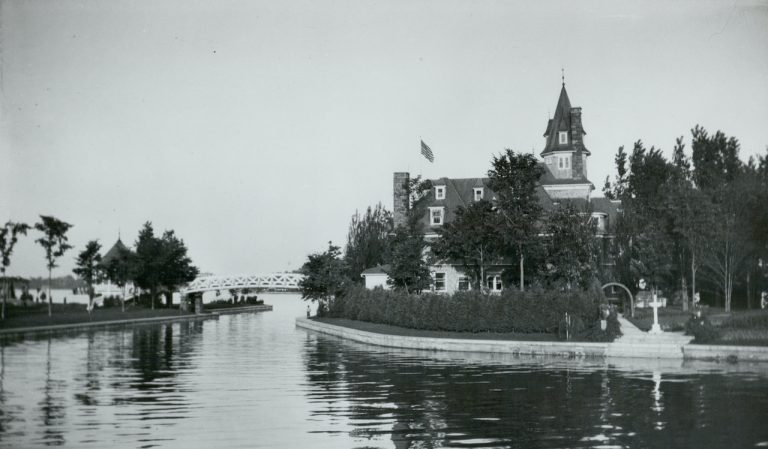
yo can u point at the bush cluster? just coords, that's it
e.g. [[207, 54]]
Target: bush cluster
[[702, 330], [752, 321], [534, 311]]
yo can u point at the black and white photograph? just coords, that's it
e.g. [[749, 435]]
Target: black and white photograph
[[359, 224]]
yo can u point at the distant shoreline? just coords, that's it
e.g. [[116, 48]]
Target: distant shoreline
[[165, 315]]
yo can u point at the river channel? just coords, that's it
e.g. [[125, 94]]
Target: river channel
[[255, 380]]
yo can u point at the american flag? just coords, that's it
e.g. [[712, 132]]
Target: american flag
[[427, 152]]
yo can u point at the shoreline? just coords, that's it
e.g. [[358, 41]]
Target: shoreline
[[214, 314], [640, 350]]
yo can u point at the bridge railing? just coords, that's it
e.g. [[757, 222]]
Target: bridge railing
[[282, 281]]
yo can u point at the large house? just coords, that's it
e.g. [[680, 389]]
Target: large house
[[564, 160]]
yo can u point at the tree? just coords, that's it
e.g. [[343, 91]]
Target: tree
[[162, 264], [9, 235], [120, 269], [570, 243], [514, 178], [149, 263], [473, 238], [367, 241], [89, 268], [54, 242], [177, 268], [323, 277], [409, 269]]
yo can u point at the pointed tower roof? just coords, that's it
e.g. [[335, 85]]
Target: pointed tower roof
[[114, 251], [561, 121]]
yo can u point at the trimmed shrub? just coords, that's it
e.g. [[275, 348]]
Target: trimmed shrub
[[534, 311], [752, 321], [596, 333], [702, 330]]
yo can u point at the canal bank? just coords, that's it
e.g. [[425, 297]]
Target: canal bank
[[633, 344], [134, 321]]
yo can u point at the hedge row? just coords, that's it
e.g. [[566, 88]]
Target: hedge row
[[535, 311]]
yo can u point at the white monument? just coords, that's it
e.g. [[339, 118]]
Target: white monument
[[655, 328]]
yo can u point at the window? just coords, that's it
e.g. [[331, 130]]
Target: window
[[494, 283], [436, 216], [439, 282], [563, 135], [564, 162], [548, 160], [439, 192], [463, 284], [478, 193]]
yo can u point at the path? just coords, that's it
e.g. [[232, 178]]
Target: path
[[637, 343]]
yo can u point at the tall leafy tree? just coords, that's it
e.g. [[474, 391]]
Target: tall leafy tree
[[149, 262], [120, 270], [324, 277], [721, 175], [9, 235], [367, 240], [409, 269], [54, 242], [473, 239], [88, 267], [514, 178], [571, 247], [176, 265], [161, 265]]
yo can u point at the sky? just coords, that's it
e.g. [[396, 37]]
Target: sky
[[255, 129]]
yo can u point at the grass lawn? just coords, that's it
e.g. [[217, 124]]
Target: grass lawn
[[395, 330], [739, 327], [37, 314]]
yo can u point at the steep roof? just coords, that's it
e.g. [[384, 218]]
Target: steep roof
[[113, 252], [459, 192], [561, 121]]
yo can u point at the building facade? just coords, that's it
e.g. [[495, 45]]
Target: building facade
[[564, 160]]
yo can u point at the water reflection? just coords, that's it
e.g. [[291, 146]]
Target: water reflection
[[257, 381], [422, 400]]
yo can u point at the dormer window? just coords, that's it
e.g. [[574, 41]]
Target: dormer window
[[436, 215], [478, 193], [439, 192], [563, 136], [564, 162]]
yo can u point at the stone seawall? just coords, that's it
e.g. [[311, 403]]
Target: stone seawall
[[555, 348], [624, 350]]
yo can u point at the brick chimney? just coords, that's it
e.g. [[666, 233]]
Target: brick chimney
[[400, 197], [577, 135]]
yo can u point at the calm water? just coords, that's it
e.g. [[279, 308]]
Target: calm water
[[255, 380]]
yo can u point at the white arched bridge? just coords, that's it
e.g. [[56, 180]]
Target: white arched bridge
[[271, 281]]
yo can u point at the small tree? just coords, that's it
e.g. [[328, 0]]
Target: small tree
[[323, 277], [8, 237], [514, 178], [89, 268], [54, 242], [473, 238]]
